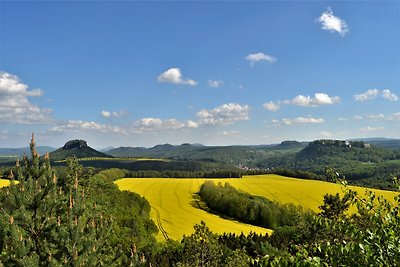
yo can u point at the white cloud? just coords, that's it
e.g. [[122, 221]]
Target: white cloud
[[318, 100], [386, 94], [115, 114], [342, 119], [174, 75], [374, 93], [332, 23], [80, 126], [372, 129], [157, 124], [256, 57], [15, 106], [367, 95], [191, 124], [271, 106], [215, 83], [302, 120], [106, 114], [298, 121], [229, 133], [394, 117], [357, 117], [224, 114], [375, 116]]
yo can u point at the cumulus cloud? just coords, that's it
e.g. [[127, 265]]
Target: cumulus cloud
[[372, 129], [157, 124], [80, 126], [224, 114], [386, 94], [259, 57], [271, 106], [367, 95], [114, 114], [319, 99], [332, 23], [106, 114], [215, 83], [174, 75], [374, 93], [15, 106]]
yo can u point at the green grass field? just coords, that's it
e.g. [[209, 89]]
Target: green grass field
[[175, 209]]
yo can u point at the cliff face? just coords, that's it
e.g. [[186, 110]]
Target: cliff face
[[75, 144]]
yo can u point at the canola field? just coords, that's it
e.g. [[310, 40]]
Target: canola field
[[4, 182], [175, 205]]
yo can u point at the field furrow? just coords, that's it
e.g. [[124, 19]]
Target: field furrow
[[175, 210]]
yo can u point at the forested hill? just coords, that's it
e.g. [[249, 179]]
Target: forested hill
[[360, 162], [348, 150], [388, 143], [77, 148], [238, 155]]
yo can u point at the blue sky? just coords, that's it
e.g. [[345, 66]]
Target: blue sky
[[132, 73]]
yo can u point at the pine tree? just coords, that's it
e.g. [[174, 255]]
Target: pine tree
[[47, 223]]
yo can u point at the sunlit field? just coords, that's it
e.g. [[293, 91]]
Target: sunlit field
[[175, 208], [4, 182]]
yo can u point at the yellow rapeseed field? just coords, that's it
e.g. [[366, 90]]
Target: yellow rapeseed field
[[175, 208], [4, 182]]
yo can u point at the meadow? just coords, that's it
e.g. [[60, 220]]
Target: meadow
[[175, 205]]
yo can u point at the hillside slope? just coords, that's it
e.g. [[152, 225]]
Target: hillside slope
[[77, 148]]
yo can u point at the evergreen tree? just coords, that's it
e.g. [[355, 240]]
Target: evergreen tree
[[47, 223]]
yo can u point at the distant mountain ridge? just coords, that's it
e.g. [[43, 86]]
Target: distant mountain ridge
[[236, 155], [25, 150], [388, 143], [77, 148]]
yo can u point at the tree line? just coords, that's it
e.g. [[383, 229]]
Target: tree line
[[255, 210]]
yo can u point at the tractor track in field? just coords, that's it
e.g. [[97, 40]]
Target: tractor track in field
[[159, 224]]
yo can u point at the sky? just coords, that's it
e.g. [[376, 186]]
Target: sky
[[135, 73]]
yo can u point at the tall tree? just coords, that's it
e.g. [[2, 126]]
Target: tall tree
[[47, 223]]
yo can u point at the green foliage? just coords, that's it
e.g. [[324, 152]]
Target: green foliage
[[153, 168], [78, 219], [334, 206], [244, 207], [202, 248], [132, 231], [368, 238], [45, 224]]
